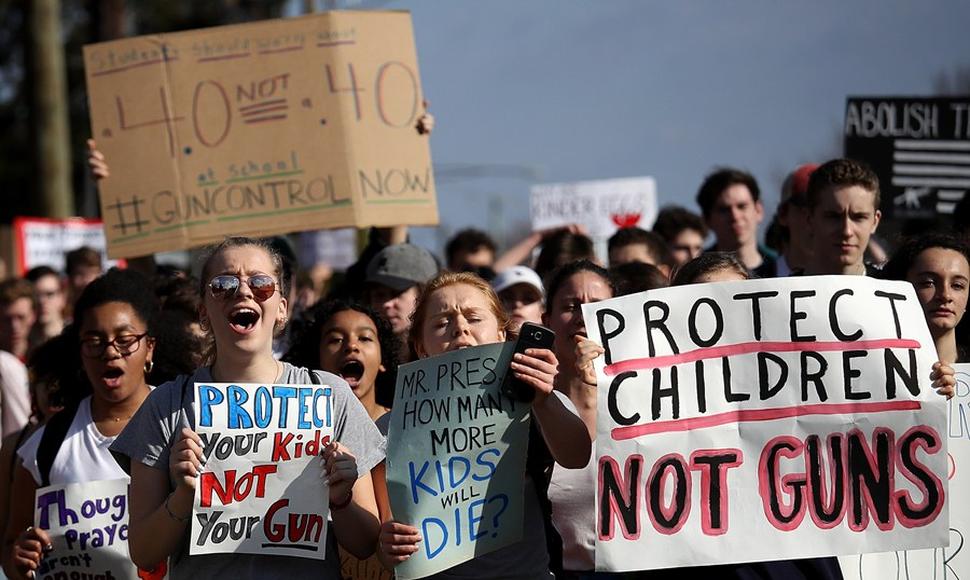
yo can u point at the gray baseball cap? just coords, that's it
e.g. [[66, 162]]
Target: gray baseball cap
[[401, 266]]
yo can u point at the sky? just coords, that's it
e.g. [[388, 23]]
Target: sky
[[536, 91]]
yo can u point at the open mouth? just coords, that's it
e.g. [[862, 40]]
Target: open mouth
[[243, 320], [112, 377], [352, 371]]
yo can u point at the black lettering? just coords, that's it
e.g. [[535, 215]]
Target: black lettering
[[814, 378], [755, 298], [799, 315], [729, 395], [849, 373], [660, 324], [718, 323], [765, 391], [659, 393], [612, 495], [606, 336], [833, 511], [834, 318], [894, 369], [893, 297], [681, 483], [875, 479], [615, 414]]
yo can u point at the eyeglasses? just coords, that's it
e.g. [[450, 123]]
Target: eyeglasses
[[224, 287], [125, 344]]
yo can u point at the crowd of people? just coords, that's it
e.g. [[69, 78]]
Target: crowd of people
[[96, 368]]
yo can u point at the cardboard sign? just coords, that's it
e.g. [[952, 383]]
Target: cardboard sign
[[766, 420], [602, 206], [261, 491], [45, 241], [919, 148], [88, 525], [261, 128], [939, 563], [456, 457]]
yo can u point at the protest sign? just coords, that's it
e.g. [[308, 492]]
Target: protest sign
[[919, 148], [261, 491], [45, 241], [456, 457], [602, 206], [949, 562], [88, 525], [766, 420], [261, 128]]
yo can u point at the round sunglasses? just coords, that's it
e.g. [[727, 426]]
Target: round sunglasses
[[227, 285]]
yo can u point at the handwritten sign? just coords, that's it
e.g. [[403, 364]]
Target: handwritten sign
[[456, 457], [765, 420], [262, 128], [261, 491], [949, 562], [88, 525], [45, 241], [919, 148]]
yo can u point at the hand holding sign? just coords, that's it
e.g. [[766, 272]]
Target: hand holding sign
[[536, 367], [30, 549], [340, 473], [186, 459], [397, 542], [944, 379]]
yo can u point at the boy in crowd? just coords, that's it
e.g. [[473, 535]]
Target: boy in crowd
[[395, 277], [637, 245], [683, 230], [843, 200], [731, 203], [18, 312], [470, 250], [520, 290], [793, 217], [83, 266], [51, 302]]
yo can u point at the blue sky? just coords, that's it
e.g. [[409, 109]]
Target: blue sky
[[567, 90]]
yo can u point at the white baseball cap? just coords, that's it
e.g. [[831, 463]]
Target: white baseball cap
[[517, 275]]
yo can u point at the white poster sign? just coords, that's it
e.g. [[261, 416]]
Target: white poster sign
[[766, 420]]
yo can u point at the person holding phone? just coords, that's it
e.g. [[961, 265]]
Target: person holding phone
[[460, 310]]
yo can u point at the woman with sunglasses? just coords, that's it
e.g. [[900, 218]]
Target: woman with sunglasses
[[243, 307], [114, 318]]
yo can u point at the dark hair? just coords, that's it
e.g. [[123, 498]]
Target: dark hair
[[13, 289], [777, 236], [634, 277], [178, 293], [905, 256], [178, 350], [561, 248], [674, 219], [38, 272], [842, 173], [118, 285], [83, 256], [468, 240], [305, 349], [55, 363], [656, 246], [723, 178], [558, 277], [706, 263]]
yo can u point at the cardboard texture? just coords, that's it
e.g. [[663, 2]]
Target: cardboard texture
[[262, 128]]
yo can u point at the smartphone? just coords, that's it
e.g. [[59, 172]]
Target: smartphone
[[531, 335]]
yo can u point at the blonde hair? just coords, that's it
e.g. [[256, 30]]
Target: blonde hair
[[444, 280]]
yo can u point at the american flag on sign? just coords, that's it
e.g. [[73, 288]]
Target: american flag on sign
[[924, 167]]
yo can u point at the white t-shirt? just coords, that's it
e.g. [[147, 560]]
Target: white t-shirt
[[572, 494], [82, 457]]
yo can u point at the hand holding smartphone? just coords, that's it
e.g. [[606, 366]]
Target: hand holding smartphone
[[531, 335]]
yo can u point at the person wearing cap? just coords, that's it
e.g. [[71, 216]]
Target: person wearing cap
[[793, 217], [394, 280], [520, 290]]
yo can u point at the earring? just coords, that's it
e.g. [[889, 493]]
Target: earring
[[204, 324], [149, 365]]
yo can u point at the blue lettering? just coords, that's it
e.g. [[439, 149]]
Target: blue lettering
[[473, 519], [301, 422], [317, 421], [263, 407], [210, 396], [284, 393], [416, 481], [485, 463], [452, 461], [238, 416], [427, 536]]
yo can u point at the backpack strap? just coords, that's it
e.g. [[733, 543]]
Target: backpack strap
[[50, 442]]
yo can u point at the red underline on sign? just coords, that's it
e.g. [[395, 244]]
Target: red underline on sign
[[268, 103], [131, 66], [658, 362], [261, 119], [224, 57], [755, 415], [335, 43]]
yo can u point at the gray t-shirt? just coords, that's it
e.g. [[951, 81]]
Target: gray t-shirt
[[152, 431]]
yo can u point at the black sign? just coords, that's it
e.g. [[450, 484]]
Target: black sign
[[920, 148]]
